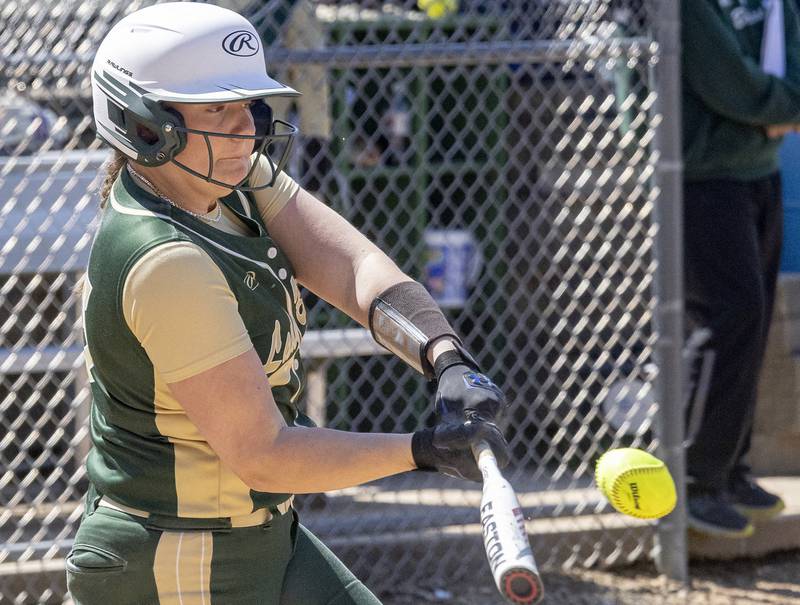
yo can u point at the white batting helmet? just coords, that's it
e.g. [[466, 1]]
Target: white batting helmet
[[184, 53]]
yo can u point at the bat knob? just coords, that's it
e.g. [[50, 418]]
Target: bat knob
[[522, 587]]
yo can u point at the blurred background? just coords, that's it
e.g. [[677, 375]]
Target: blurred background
[[504, 153]]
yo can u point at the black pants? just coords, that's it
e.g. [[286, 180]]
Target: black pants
[[732, 243]]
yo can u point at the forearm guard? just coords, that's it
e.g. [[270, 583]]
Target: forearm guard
[[406, 320]]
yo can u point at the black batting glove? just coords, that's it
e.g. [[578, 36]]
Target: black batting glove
[[463, 391], [447, 448]]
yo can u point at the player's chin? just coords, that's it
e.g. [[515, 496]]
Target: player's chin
[[231, 170]]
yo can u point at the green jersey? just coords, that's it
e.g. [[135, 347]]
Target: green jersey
[[146, 453]]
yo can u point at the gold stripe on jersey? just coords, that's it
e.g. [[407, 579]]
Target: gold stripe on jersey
[[204, 487], [182, 567]]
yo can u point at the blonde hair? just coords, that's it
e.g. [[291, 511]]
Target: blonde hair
[[113, 166]]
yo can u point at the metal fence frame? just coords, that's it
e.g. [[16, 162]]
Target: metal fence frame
[[672, 556], [661, 52]]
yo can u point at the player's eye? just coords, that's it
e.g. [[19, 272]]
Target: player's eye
[[216, 108]]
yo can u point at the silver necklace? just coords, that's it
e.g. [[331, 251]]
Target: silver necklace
[[203, 217]]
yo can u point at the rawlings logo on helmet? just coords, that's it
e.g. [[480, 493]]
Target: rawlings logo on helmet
[[240, 43], [127, 72]]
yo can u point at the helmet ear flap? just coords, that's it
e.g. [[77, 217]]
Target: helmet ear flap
[[170, 139]]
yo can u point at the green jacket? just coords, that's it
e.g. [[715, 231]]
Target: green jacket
[[727, 98]]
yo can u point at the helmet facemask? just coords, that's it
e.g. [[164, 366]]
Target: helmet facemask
[[272, 138]]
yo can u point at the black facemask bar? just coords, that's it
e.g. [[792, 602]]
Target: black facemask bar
[[268, 131]]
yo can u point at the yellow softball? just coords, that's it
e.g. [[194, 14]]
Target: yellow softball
[[436, 9], [636, 483]]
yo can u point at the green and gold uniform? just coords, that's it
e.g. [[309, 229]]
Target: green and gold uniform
[[167, 296]]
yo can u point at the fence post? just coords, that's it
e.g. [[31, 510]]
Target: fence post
[[671, 552]]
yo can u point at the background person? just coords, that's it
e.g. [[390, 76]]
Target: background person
[[741, 76]]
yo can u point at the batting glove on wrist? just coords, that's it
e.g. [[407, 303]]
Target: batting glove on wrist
[[463, 391], [447, 448]]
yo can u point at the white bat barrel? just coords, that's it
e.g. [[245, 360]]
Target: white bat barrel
[[504, 537]]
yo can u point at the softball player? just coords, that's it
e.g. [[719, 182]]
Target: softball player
[[193, 320]]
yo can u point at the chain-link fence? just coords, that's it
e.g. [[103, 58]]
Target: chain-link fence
[[503, 154]]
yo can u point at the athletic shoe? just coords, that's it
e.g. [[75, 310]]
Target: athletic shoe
[[711, 512], [752, 500]]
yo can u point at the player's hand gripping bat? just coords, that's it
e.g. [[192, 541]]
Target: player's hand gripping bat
[[504, 537]]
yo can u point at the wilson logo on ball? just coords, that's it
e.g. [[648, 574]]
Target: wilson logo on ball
[[241, 43], [635, 495]]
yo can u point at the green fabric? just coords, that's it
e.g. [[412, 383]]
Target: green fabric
[[330, 582], [727, 99], [280, 563], [130, 460], [123, 573]]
